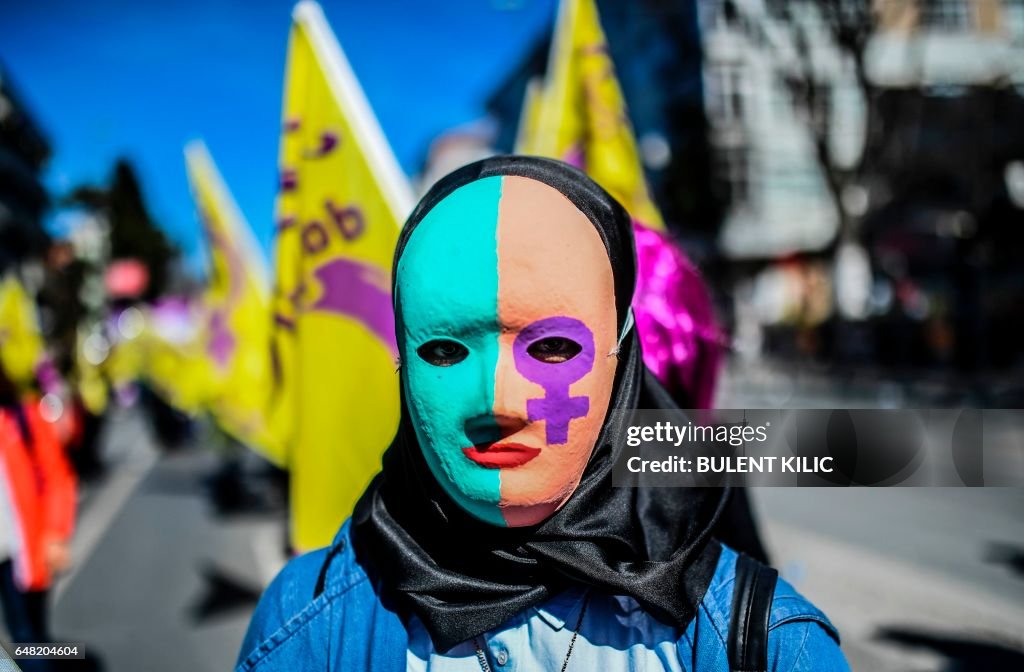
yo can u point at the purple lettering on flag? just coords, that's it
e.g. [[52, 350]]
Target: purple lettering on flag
[[289, 179], [314, 237], [222, 343], [296, 295], [292, 124], [284, 322], [360, 292], [557, 408], [328, 141], [349, 220]]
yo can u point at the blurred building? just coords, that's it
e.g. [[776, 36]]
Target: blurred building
[[23, 153], [765, 165], [947, 42], [944, 215], [885, 134]]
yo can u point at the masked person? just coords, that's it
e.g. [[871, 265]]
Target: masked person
[[493, 539]]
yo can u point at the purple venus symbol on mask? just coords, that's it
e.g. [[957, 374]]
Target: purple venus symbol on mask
[[556, 407]]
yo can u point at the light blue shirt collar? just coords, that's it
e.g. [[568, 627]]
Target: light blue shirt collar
[[561, 609]]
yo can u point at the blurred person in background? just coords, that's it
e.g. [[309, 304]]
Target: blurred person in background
[[37, 514], [493, 535], [65, 316]]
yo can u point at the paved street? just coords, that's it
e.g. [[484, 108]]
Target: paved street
[[166, 585], [924, 563], [915, 579]]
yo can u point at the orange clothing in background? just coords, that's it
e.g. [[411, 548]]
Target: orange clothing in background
[[41, 489]]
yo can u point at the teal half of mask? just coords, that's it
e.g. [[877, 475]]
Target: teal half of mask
[[447, 303]]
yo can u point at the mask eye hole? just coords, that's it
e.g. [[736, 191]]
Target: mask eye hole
[[554, 349], [442, 352]]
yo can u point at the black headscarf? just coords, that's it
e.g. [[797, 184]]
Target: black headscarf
[[462, 576]]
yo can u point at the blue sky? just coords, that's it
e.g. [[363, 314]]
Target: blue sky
[[109, 78]]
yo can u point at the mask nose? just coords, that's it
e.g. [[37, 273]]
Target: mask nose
[[489, 428], [507, 415], [510, 391]]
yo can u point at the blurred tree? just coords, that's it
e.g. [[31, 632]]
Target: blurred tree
[[807, 28], [133, 233]]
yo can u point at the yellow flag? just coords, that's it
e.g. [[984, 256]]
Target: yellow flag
[[235, 336], [581, 116], [21, 342], [173, 343], [341, 203], [526, 134]]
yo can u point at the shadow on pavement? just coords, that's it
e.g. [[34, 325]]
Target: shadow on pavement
[[1010, 556], [222, 594], [962, 654]]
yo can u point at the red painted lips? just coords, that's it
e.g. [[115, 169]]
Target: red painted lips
[[501, 455]]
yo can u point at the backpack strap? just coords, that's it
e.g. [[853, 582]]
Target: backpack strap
[[751, 606]]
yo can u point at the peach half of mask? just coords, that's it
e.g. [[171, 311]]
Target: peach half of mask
[[505, 307]]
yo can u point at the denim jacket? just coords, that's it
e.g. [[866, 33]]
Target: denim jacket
[[348, 628]]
